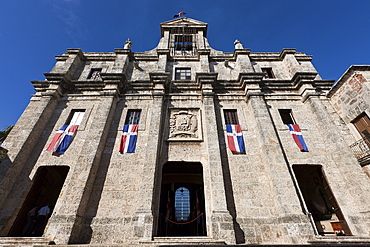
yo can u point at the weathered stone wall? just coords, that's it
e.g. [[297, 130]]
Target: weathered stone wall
[[113, 198], [351, 95]]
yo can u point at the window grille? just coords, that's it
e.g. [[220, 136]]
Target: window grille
[[183, 43], [182, 204], [133, 117], [183, 74], [231, 117]]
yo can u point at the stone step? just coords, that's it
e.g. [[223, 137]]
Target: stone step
[[341, 240], [169, 241], [23, 241]]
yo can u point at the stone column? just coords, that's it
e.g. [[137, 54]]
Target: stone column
[[219, 222], [143, 219]]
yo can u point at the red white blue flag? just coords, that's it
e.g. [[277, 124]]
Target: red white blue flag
[[64, 135], [130, 129], [128, 139], [235, 138], [179, 15], [297, 136]]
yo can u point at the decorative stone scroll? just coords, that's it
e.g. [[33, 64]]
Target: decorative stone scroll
[[184, 125]]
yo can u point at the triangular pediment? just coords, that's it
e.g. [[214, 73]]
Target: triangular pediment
[[184, 21]]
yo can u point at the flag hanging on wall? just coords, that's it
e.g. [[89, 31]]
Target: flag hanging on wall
[[235, 138], [297, 136], [130, 129], [65, 134]]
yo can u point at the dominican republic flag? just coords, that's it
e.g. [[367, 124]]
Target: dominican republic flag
[[64, 135], [128, 139], [235, 138], [179, 15], [297, 136]]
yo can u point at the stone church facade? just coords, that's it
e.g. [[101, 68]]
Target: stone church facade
[[209, 156]]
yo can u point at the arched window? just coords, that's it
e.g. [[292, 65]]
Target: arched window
[[182, 204]]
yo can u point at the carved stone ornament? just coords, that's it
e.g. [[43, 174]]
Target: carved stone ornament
[[184, 124]]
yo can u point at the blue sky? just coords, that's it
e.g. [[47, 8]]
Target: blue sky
[[32, 32]]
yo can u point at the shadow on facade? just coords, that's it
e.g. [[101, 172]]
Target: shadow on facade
[[25, 161], [239, 233], [45, 190], [84, 234]]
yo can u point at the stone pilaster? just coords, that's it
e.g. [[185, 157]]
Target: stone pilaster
[[243, 63], [122, 60], [204, 60], [66, 221], [143, 219], [220, 224], [288, 209], [20, 143]]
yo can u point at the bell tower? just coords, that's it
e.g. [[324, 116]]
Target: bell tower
[[184, 37]]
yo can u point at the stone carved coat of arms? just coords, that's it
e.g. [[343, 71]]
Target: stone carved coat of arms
[[184, 124]]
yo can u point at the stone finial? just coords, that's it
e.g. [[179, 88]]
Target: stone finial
[[128, 44], [238, 45]]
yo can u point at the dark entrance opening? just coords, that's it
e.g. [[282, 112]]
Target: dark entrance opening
[[182, 211], [45, 190], [320, 201]]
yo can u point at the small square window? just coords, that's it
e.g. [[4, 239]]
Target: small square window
[[183, 74], [286, 116], [94, 74], [231, 117], [133, 117], [75, 117], [269, 74]]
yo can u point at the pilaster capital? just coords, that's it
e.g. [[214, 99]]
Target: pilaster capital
[[286, 51], [238, 52], [204, 51], [163, 51], [301, 78], [160, 81], [78, 52], [206, 82]]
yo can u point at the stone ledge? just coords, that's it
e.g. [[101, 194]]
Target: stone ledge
[[179, 241], [24, 241]]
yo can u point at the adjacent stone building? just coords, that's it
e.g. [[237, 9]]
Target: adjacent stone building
[[184, 144]]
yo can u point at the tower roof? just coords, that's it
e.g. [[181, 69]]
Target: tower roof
[[184, 22]]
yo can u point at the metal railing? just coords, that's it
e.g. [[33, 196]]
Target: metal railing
[[361, 150]]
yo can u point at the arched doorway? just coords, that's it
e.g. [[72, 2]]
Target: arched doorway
[[182, 210], [45, 190]]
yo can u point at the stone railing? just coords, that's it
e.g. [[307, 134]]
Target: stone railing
[[361, 150]]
